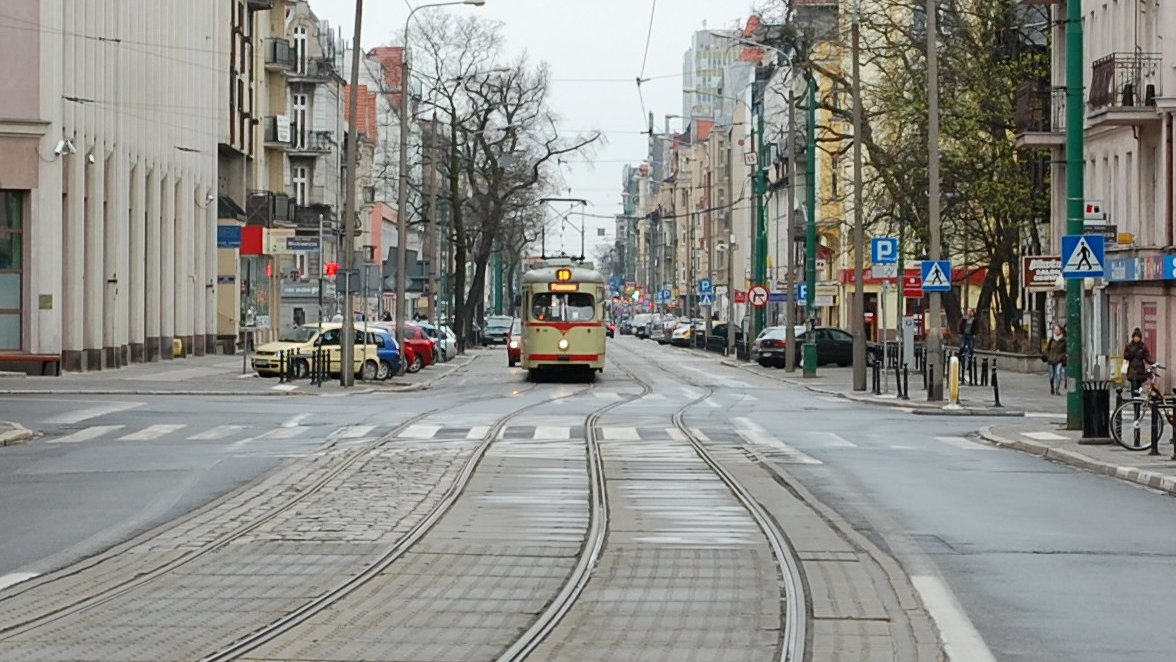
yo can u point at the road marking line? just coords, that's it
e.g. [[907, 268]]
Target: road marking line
[[281, 433], [552, 432], [697, 432], [284, 387], [965, 444], [219, 432], [420, 431], [709, 402], [477, 432], [830, 439], [758, 436], [14, 578], [620, 434], [961, 640], [352, 431], [296, 421], [153, 432], [86, 434], [676, 434], [80, 415], [1044, 436]]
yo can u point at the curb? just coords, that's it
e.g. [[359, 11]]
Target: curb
[[18, 434], [67, 391], [1150, 479]]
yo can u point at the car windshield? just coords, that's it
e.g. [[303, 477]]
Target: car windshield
[[562, 307], [780, 332], [299, 334], [517, 327], [498, 323]]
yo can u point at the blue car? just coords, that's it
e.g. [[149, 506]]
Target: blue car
[[388, 352]]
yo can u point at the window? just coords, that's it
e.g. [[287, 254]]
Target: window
[[301, 179], [300, 49], [11, 269], [570, 307], [301, 112], [330, 337]]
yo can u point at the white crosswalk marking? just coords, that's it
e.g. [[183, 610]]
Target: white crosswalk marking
[[826, 439], [282, 433], [420, 431], [477, 432], [965, 444], [352, 431], [620, 434], [710, 402], [79, 415], [219, 432], [86, 434], [762, 441], [153, 432], [552, 432], [699, 434]]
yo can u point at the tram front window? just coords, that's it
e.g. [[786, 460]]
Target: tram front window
[[561, 307]]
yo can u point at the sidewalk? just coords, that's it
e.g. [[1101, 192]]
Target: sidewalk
[[1037, 428], [210, 376]]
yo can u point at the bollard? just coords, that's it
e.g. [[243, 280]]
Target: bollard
[[953, 380], [971, 369], [984, 371], [995, 387], [928, 378], [898, 380], [281, 366], [876, 374], [1155, 434], [906, 382]]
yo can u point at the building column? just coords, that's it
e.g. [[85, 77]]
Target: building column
[[136, 264], [111, 245], [200, 269], [152, 285], [167, 271], [95, 268], [211, 271], [183, 263]]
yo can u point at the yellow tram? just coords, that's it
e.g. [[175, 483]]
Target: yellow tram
[[563, 315]]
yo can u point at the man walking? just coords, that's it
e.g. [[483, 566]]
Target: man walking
[[967, 331]]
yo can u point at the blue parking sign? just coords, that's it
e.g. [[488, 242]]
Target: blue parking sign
[[884, 250]]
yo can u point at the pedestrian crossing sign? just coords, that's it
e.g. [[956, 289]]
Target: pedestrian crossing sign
[[936, 275], [706, 299], [1083, 255]]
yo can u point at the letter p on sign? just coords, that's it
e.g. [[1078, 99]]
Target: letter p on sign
[[884, 250]]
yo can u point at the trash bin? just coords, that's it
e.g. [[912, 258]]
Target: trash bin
[[1096, 409]]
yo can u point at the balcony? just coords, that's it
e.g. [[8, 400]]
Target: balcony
[[259, 5], [308, 217], [268, 209], [279, 55], [1040, 115], [277, 132], [313, 70], [1123, 90], [311, 143]]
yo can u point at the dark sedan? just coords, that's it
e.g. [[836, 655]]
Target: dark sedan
[[497, 331], [833, 346]]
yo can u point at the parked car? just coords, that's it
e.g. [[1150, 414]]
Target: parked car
[[497, 330], [514, 344], [641, 325], [446, 339], [717, 340], [833, 346], [389, 353], [684, 332], [299, 342], [626, 327], [419, 349]]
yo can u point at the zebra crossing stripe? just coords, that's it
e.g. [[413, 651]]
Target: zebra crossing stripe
[[219, 432], [420, 431], [86, 434], [353, 431], [477, 432], [620, 434], [153, 432]]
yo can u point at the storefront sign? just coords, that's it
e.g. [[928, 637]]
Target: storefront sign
[[300, 290], [1040, 272], [228, 236], [1136, 269]]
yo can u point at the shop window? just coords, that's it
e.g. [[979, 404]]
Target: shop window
[[11, 269]]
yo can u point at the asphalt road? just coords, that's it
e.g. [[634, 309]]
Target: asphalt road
[[1016, 558]]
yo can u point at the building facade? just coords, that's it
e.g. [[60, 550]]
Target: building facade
[[108, 181]]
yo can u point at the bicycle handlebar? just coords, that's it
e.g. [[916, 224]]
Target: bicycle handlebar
[[1156, 366]]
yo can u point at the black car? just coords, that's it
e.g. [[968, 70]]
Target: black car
[[833, 346], [497, 330]]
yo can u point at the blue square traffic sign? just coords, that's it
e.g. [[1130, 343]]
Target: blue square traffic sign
[[705, 285], [1083, 255], [936, 275], [884, 250]]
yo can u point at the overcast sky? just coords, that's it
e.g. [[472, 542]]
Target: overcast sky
[[584, 39]]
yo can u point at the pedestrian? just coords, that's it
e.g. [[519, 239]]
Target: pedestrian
[[1055, 356], [1138, 358], [387, 316], [967, 331]]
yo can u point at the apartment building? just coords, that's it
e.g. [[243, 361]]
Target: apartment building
[[1129, 105], [108, 180]]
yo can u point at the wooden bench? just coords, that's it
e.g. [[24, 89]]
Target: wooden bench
[[44, 359]]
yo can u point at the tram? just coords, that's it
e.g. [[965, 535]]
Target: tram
[[562, 310]]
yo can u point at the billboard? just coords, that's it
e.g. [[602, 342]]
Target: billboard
[[1039, 273]]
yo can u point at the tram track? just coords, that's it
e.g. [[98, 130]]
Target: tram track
[[144, 577], [794, 628]]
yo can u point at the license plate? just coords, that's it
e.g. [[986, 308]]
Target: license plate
[[261, 364]]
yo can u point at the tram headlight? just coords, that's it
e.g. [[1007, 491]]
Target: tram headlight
[[563, 344]]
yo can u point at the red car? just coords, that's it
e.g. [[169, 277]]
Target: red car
[[514, 344], [419, 349]]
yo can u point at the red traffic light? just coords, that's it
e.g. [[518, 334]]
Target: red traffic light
[[332, 268]]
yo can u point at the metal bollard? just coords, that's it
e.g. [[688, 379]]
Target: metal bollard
[[876, 378], [929, 378], [984, 372], [281, 366], [971, 369], [898, 380], [1155, 435], [906, 382], [995, 387]]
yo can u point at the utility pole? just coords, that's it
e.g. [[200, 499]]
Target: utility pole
[[859, 287], [432, 246], [731, 295], [708, 233], [790, 295], [1075, 205], [760, 270], [934, 338], [810, 244], [347, 342]]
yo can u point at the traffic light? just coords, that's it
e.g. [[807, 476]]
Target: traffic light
[[636, 295], [332, 268]]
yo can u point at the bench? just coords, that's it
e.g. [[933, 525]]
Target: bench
[[44, 359]]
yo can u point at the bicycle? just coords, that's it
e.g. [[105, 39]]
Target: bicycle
[[1147, 410]]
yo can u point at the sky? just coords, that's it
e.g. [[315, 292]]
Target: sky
[[596, 49]]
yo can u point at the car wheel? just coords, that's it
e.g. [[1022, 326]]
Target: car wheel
[[369, 371], [300, 368], [779, 365], [385, 371], [417, 364]]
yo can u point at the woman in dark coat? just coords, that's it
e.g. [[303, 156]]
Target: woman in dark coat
[[1138, 358], [1055, 356]]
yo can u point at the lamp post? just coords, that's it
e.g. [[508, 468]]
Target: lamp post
[[810, 235], [859, 312], [347, 342], [1075, 200], [934, 337], [402, 188]]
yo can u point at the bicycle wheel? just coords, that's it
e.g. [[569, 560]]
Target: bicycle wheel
[[1134, 422]]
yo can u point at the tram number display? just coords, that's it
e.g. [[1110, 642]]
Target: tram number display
[[563, 275], [564, 287]]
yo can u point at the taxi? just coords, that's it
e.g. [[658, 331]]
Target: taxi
[[299, 342]]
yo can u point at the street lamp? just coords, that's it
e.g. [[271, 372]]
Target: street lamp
[[402, 190]]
